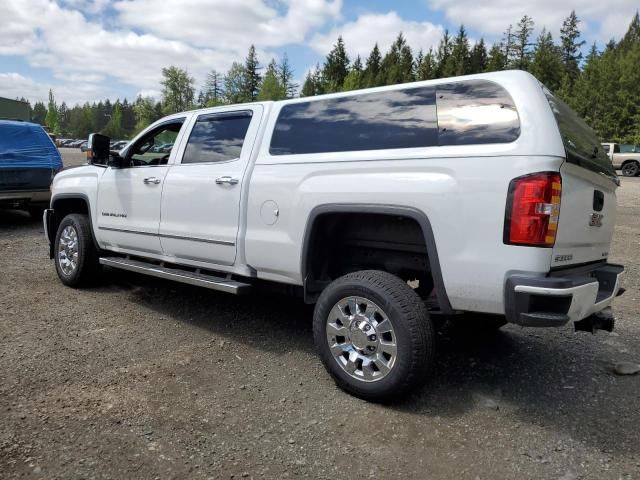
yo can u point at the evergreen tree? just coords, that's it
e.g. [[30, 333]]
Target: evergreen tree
[[497, 58], [570, 46], [397, 64], [458, 61], [51, 120], [271, 88], [251, 77], [319, 83], [372, 68], [546, 64], [354, 78], [522, 44], [63, 119], [213, 92], [308, 87], [426, 67], [336, 67], [478, 59], [442, 54], [234, 84], [507, 45], [177, 90], [285, 76]]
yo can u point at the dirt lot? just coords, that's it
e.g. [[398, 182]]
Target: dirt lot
[[142, 378]]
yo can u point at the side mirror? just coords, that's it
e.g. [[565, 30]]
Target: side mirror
[[98, 148]]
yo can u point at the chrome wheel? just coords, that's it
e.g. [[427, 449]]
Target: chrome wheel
[[68, 250], [361, 339]]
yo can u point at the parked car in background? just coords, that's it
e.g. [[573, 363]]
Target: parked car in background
[[628, 162], [84, 146], [28, 162], [388, 208]]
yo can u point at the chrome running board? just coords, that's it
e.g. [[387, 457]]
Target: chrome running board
[[176, 274]]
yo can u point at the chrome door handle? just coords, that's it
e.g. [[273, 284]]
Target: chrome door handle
[[153, 180], [227, 181]]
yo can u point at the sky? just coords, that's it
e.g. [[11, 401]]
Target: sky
[[88, 50]]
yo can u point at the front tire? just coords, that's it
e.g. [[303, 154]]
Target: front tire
[[374, 335], [631, 169], [75, 254]]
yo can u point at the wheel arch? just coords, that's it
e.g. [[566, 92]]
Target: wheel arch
[[64, 204], [389, 210]]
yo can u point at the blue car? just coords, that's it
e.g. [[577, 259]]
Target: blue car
[[28, 162]]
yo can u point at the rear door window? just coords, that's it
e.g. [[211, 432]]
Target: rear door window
[[371, 121], [217, 137], [476, 112]]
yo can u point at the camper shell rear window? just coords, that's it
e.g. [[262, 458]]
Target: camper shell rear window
[[580, 141]]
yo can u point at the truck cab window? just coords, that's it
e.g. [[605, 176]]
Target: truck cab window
[[217, 137], [155, 147]]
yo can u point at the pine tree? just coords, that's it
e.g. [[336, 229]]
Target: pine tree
[[570, 47], [308, 87], [114, 126], [354, 78], [522, 44], [251, 77], [372, 68], [478, 58], [336, 67], [546, 63], [442, 54], [213, 92], [285, 76], [52, 114], [497, 58], [397, 64], [458, 62], [425, 66], [271, 88]]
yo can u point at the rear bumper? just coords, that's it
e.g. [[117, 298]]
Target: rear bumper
[[563, 296]]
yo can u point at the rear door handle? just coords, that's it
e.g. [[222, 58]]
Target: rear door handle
[[151, 180], [226, 181]]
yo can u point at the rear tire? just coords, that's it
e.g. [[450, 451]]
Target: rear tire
[[631, 169], [75, 254], [374, 335]]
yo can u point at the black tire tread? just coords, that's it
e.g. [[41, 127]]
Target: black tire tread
[[415, 318], [88, 259]]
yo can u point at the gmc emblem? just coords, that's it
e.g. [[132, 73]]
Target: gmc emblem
[[595, 219]]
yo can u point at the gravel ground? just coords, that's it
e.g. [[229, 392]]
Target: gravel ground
[[143, 378]]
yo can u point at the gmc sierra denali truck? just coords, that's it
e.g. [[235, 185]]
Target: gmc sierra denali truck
[[628, 162], [387, 208]]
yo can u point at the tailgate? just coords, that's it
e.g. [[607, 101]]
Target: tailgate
[[587, 217]]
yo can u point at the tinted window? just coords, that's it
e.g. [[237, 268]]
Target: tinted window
[[580, 141], [475, 112], [217, 137], [371, 121]]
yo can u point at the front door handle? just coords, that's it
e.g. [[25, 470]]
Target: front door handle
[[226, 181], [151, 180]]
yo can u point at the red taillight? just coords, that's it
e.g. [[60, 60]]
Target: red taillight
[[533, 209]]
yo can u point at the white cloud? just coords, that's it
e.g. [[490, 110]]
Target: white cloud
[[228, 25], [492, 18], [83, 53], [16, 85], [360, 36]]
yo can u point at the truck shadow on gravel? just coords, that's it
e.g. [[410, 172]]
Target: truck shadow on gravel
[[547, 377], [13, 219]]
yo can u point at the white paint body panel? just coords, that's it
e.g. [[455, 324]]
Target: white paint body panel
[[461, 189]]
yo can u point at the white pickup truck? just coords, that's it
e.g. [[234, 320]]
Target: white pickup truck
[[388, 208], [626, 161]]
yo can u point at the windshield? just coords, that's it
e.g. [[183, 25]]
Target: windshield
[[580, 141]]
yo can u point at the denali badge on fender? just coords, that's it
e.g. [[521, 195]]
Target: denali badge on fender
[[595, 220]]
